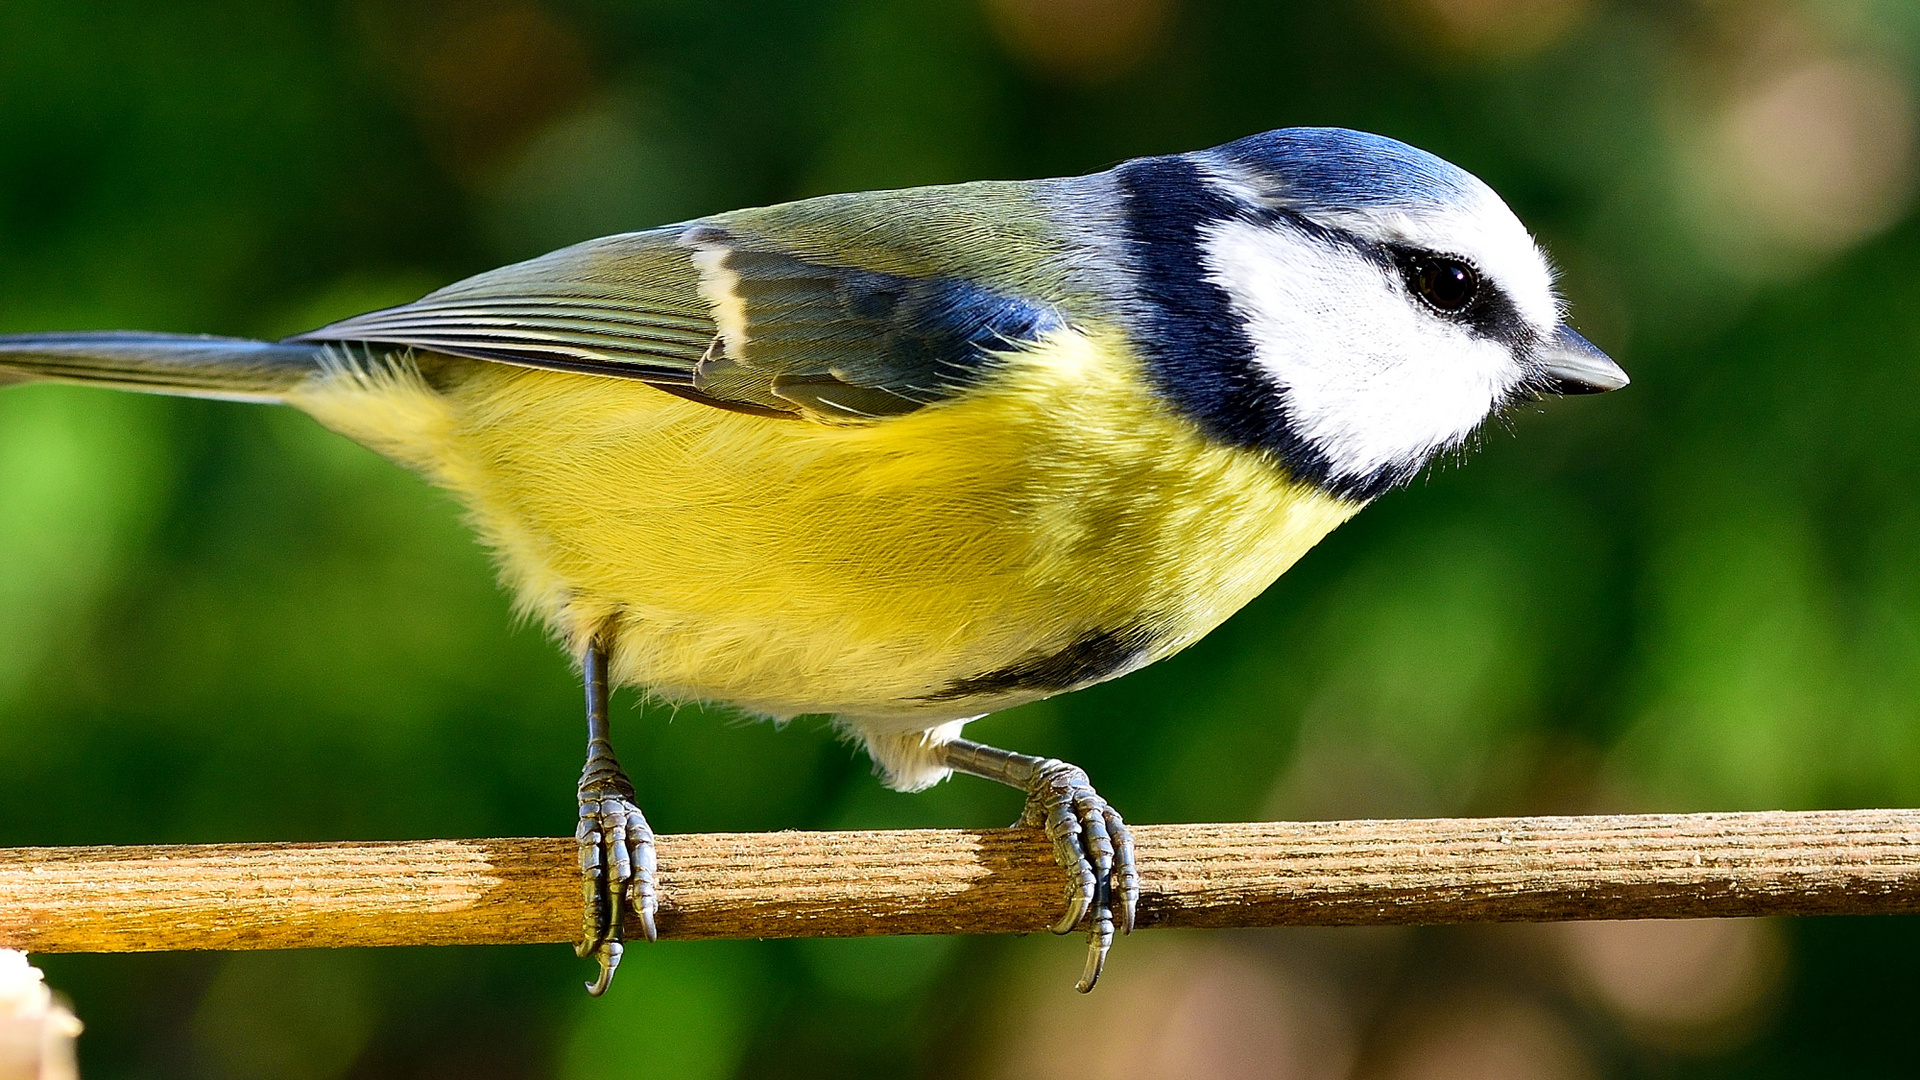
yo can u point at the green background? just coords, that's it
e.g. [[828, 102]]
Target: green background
[[220, 623]]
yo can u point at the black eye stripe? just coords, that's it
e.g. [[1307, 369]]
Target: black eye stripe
[[1487, 311]]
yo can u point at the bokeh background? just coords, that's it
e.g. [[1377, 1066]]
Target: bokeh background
[[220, 623]]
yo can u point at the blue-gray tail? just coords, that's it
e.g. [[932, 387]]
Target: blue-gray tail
[[215, 367]]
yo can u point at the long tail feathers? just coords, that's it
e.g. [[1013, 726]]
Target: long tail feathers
[[215, 367]]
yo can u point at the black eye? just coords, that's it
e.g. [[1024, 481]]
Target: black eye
[[1448, 284]]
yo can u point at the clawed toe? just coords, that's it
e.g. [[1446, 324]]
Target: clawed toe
[[617, 872], [608, 954], [616, 844], [1092, 844]]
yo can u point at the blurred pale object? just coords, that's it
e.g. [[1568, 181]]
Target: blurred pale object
[[1683, 984], [1086, 40], [36, 1032], [1179, 1009], [1495, 1039], [1814, 155], [1488, 28]]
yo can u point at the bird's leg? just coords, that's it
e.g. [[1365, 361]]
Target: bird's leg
[[616, 844], [1090, 841]]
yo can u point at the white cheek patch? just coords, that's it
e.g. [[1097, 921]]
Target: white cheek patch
[[1370, 378]]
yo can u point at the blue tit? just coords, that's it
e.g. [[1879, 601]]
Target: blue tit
[[910, 457]]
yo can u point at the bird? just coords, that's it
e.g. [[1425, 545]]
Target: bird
[[911, 457]]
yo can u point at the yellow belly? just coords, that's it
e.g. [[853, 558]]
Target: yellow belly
[[866, 570]]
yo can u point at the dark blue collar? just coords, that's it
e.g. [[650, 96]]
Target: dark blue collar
[[1198, 352]]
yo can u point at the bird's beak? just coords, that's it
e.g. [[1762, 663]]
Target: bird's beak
[[1571, 364]]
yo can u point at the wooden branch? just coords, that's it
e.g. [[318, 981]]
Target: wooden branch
[[815, 884]]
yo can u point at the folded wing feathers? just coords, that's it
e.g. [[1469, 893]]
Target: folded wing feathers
[[831, 343]]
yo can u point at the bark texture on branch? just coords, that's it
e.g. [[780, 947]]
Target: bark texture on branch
[[836, 884]]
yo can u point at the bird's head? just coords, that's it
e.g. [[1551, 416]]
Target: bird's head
[[1376, 303]]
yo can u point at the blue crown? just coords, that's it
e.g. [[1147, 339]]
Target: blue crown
[[1335, 169]]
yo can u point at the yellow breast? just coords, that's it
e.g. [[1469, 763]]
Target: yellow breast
[[921, 568]]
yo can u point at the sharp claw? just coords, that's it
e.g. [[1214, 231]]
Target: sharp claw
[[609, 956], [1096, 961], [1099, 935], [618, 866], [1081, 884], [1093, 845], [1077, 903]]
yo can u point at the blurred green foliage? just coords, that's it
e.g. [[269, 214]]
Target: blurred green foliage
[[218, 622]]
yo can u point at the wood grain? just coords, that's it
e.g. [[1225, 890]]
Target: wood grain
[[835, 884]]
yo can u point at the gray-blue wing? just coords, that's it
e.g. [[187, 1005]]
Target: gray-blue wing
[[735, 320]]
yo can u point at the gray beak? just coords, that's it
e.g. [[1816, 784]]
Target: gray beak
[[1570, 364]]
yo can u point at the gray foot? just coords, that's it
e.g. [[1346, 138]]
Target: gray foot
[[616, 868], [1093, 846]]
